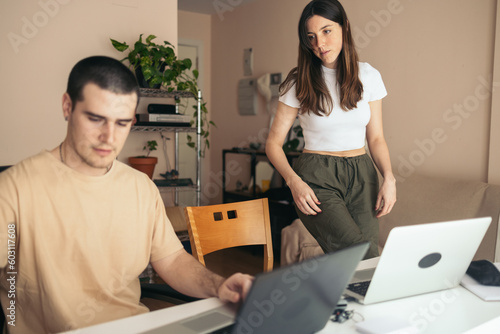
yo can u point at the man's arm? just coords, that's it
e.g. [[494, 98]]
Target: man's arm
[[185, 274]]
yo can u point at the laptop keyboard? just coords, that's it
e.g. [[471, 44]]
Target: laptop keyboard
[[360, 287]]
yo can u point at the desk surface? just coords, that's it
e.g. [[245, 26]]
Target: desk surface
[[454, 310]]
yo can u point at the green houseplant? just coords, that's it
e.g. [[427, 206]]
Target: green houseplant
[[160, 68], [145, 163], [292, 144]]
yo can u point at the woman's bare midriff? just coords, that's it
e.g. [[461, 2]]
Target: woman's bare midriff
[[349, 153]]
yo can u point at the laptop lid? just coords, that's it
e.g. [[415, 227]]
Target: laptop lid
[[423, 258], [299, 298]]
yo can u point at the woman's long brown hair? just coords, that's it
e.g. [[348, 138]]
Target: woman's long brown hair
[[311, 89]]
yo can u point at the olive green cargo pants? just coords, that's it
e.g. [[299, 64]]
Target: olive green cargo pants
[[347, 189]]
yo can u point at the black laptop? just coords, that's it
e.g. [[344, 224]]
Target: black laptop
[[299, 298]]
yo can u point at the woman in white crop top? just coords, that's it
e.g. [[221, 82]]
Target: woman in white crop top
[[339, 104]]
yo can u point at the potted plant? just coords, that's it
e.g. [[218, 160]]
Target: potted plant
[[293, 142], [145, 163], [160, 68]]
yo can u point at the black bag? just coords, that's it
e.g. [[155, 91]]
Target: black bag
[[484, 272]]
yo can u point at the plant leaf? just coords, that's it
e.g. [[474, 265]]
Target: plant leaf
[[187, 63], [150, 38], [119, 46]]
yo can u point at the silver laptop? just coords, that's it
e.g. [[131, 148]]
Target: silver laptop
[[299, 298], [419, 259]]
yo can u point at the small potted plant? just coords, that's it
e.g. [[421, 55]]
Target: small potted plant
[[145, 163]]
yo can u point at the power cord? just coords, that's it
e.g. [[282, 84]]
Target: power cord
[[344, 315], [341, 314]]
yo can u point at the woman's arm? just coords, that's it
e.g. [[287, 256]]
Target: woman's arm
[[380, 154], [303, 195]]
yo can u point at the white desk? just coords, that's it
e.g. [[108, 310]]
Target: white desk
[[449, 311]]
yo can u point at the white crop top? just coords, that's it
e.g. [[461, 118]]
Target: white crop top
[[340, 130]]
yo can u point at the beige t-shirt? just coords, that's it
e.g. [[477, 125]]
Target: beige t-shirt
[[75, 245]]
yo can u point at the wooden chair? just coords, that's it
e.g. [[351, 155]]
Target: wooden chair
[[216, 227]]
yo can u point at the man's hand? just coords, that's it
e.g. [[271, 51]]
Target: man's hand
[[188, 276], [235, 288]]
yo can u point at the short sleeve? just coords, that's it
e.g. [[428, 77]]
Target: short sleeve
[[165, 241], [290, 98], [373, 84], [8, 221]]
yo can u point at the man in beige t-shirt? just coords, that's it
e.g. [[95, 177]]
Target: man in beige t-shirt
[[77, 227]]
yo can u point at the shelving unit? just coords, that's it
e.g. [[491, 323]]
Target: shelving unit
[[154, 127], [237, 195]]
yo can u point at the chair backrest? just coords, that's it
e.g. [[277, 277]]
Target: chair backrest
[[216, 227]]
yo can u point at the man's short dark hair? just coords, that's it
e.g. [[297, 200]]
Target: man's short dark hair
[[105, 72]]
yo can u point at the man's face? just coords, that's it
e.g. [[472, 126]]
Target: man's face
[[97, 128]]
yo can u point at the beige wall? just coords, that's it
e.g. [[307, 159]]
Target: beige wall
[[436, 58], [494, 158], [50, 37], [196, 28]]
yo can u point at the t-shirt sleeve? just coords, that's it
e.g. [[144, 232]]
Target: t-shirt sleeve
[[373, 84], [290, 98], [8, 224], [165, 241]]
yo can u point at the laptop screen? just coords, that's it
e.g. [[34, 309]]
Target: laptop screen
[[299, 298]]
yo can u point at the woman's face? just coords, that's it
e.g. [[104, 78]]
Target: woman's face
[[325, 37]]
